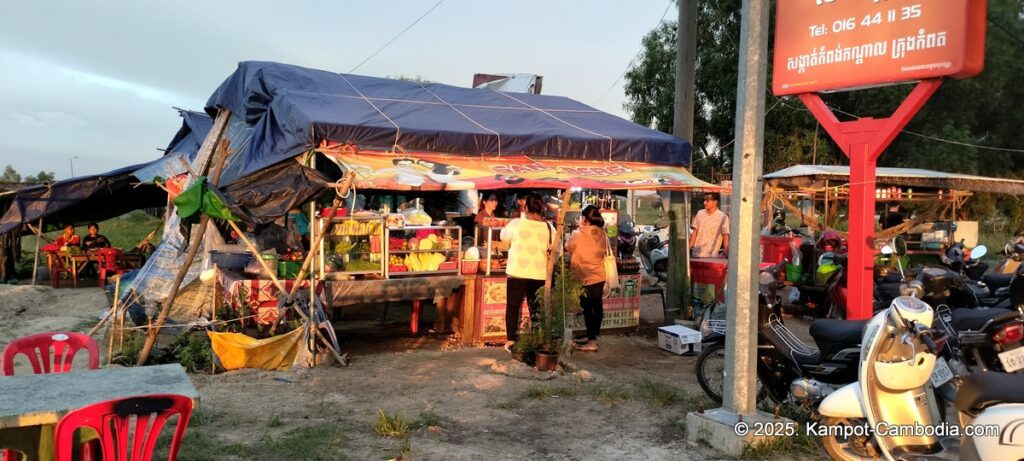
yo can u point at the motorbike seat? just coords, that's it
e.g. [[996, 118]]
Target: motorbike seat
[[833, 335], [986, 388], [791, 347], [973, 319], [995, 281]]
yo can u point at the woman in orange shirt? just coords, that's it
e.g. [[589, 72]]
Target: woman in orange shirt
[[588, 248]]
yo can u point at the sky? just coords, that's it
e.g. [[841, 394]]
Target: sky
[[92, 85]]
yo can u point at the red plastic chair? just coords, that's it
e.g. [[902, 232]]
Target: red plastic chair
[[111, 261], [57, 268], [64, 345], [112, 420]]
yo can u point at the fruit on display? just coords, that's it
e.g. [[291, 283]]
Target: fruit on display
[[361, 265], [423, 262], [343, 247], [417, 218], [354, 227], [396, 220], [472, 254]]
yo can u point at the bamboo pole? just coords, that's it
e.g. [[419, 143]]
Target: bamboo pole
[[556, 244], [35, 262], [154, 330], [342, 191]]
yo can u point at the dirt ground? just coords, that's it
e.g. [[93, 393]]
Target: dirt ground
[[628, 401]]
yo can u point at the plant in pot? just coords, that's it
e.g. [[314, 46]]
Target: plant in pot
[[550, 326], [526, 347]]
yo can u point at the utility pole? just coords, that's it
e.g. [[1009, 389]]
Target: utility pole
[[682, 127], [724, 427]]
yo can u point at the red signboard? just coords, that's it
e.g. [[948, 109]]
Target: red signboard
[[823, 45]]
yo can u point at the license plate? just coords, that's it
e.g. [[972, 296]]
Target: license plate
[[941, 373], [1012, 360]]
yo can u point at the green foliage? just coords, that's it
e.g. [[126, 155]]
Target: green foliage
[[391, 426], [429, 418], [134, 340], [192, 350], [566, 290], [10, 175]]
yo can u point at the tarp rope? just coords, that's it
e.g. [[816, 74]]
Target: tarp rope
[[398, 129], [610, 140], [465, 116]]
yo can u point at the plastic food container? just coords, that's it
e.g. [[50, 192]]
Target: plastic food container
[[233, 261]]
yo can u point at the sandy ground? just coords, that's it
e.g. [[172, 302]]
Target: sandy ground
[[629, 401]]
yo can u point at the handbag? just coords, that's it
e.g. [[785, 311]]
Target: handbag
[[611, 272]]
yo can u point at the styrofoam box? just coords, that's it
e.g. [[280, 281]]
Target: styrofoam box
[[678, 339]]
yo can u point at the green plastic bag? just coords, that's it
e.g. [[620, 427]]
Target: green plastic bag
[[200, 198]]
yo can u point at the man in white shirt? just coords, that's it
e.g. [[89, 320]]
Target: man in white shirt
[[710, 230]]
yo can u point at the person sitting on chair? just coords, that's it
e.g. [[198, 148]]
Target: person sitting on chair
[[94, 240], [68, 238]]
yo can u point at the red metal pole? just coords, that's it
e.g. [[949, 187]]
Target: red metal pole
[[863, 141]]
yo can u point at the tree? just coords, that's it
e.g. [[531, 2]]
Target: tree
[[10, 175], [41, 178], [979, 111]]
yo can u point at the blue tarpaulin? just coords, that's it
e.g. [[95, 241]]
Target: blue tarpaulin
[[294, 109]]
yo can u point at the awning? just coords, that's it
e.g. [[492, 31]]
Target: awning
[[814, 176], [436, 172]]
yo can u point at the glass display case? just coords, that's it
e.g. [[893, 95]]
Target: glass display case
[[493, 253], [423, 250], [353, 246]]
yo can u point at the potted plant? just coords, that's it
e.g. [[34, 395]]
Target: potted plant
[[526, 347], [551, 329]]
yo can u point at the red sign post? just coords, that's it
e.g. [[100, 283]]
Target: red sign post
[[831, 45]]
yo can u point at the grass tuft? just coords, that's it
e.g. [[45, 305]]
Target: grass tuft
[[391, 426]]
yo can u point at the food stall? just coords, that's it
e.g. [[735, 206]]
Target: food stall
[[480, 315]]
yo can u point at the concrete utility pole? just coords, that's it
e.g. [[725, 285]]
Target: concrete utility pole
[[682, 127], [723, 427]]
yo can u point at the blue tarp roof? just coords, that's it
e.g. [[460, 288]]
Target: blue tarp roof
[[293, 109]]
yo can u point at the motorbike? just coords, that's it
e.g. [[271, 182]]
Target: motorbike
[[890, 412], [788, 369], [1013, 254], [653, 252]]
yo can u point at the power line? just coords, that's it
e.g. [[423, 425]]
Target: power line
[[396, 36], [933, 138], [1006, 30], [630, 63], [719, 149]]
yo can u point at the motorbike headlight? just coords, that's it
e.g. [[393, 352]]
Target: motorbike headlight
[[766, 278]]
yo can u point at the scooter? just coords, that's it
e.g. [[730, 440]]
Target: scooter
[[890, 412], [788, 369], [654, 252], [1013, 254]]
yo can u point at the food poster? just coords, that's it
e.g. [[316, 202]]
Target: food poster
[[492, 309], [621, 307]]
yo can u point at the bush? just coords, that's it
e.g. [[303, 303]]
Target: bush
[[192, 350]]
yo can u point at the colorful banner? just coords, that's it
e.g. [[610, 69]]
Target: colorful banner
[[825, 45], [621, 308], [433, 172]]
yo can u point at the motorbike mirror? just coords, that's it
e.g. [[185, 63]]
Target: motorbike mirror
[[979, 251], [899, 246]]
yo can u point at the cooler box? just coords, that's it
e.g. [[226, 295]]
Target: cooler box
[[707, 276], [775, 249], [679, 339]]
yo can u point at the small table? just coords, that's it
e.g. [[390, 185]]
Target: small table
[[33, 404]]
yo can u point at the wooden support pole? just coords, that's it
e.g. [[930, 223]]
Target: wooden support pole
[[211, 146], [35, 262], [555, 250]]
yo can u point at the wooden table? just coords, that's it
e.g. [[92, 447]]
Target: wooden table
[[31, 405], [80, 260]]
